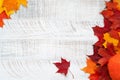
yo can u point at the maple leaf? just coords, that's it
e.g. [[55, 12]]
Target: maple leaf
[[106, 54], [116, 25], [62, 66], [23, 2], [3, 15], [94, 76], [107, 13], [117, 48], [1, 3], [118, 3], [114, 34], [111, 5], [91, 67], [109, 39], [115, 19], [10, 5], [102, 73], [95, 57], [99, 31]]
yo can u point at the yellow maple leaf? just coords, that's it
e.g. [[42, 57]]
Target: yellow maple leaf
[[109, 39], [11, 6], [22, 2], [91, 67], [1, 9], [1, 2]]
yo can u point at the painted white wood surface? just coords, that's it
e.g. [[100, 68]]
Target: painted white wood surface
[[44, 32]]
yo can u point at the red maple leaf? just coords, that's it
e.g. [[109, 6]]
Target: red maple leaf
[[102, 73], [115, 19], [111, 5], [106, 54], [107, 13], [62, 66], [95, 57], [99, 31], [3, 16], [114, 34]]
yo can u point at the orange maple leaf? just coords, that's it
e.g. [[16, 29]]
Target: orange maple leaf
[[91, 67], [118, 3]]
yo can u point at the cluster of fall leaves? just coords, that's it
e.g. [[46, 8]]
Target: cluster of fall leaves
[[104, 64], [8, 7]]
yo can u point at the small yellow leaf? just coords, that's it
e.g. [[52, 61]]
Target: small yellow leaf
[[109, 39]]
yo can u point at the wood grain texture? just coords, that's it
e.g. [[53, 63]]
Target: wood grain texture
[[44, 32]]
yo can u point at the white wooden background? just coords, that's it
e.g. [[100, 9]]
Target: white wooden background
[[44, 32]]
